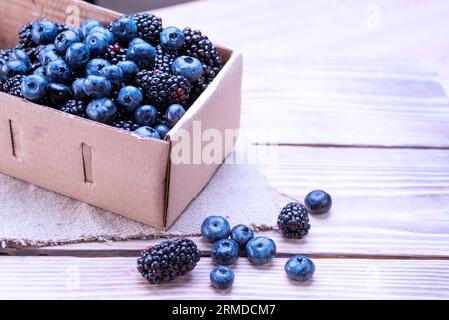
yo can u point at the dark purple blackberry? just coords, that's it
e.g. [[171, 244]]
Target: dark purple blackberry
[[293, 221], [116, 53], [25, 40], [164, 60], [127, 125], [4, 54], [208, 76], [149, 27], [199, 46], [162, 89], [13, 86], [74, 107], [166, 261]]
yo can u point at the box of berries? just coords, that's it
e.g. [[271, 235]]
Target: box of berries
[[93, 104]]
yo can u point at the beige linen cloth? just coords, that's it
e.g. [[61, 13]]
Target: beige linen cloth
[[32, 216]]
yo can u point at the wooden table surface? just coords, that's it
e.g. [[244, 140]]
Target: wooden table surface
[[354, 89]]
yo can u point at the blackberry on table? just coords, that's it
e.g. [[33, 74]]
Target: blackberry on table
[[149, 27], [166, 261], [162, 89], [116, 53], [127, 125], [199, 46], [164, 60], [293, 221], [74, 107], [13, 85]]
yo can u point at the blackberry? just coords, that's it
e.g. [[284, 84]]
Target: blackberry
[[74, 107], [199, 46], [149, 27], [206, 79], [13, 85], [116, 53], [4, 54], [25, 40], [162, 89], [164, 60], [293, 221], [166, 261], [127, 125]]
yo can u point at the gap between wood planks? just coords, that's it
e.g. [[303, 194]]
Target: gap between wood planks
[[352, 146]]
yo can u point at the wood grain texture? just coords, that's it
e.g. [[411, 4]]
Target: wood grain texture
[[116, 278]]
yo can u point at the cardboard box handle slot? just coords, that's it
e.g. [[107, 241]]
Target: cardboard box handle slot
[[15, 141], [86, 152]]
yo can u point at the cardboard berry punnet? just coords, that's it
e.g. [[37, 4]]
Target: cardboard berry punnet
[[101, 165]]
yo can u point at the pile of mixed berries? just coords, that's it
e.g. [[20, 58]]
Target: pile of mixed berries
[[132, 74], [169, 259]]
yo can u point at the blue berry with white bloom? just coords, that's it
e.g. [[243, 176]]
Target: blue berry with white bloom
[[162, 129], [261, 250], [188, 67], [124, 29], [44, 31], [58, 71], [47, 56], [172, 39], [225, 252], [78, 89], [129, 68], [113, 73], [318, 202], [13, 68], [101, 110], [64, 40], [130, 98], [242, 234], [96, 87], [21, 56], [58, 93], [215, 228], [109, 35], [97, 43], [143, 54], [173, 114], [88, 25], [222, 277], [77, 56], [95, 66], [146, 115], [34, 87], [147, 132], [300, 268]]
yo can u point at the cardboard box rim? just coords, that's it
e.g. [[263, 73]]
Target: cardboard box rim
[[233, 68]]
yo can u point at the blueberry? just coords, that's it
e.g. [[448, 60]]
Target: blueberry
[[129, 68], [21, 56], [79, 32], [13, 68], [136, 41], [130, 98], [162, 129], [143, 54], [261, 250], [318, 202], [147, 132], [96, 87], [64, 40], [188, 67], [145, 115], [113, 73], [109, 35], [88, 25], [77, 56], [58, 71], [95, 66], [58, 93], [47, 48], [48, 56], [173, 114], [78, 89], [299, 268], [97, 43], [225, 252], [34, 87], [215, 228], [44, 31], [222, 277], [124, 29], [172, 39], [242, 234], [101, 110], [40, 72]]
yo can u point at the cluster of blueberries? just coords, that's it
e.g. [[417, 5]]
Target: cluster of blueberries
[[228, 244], [81, 51]]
